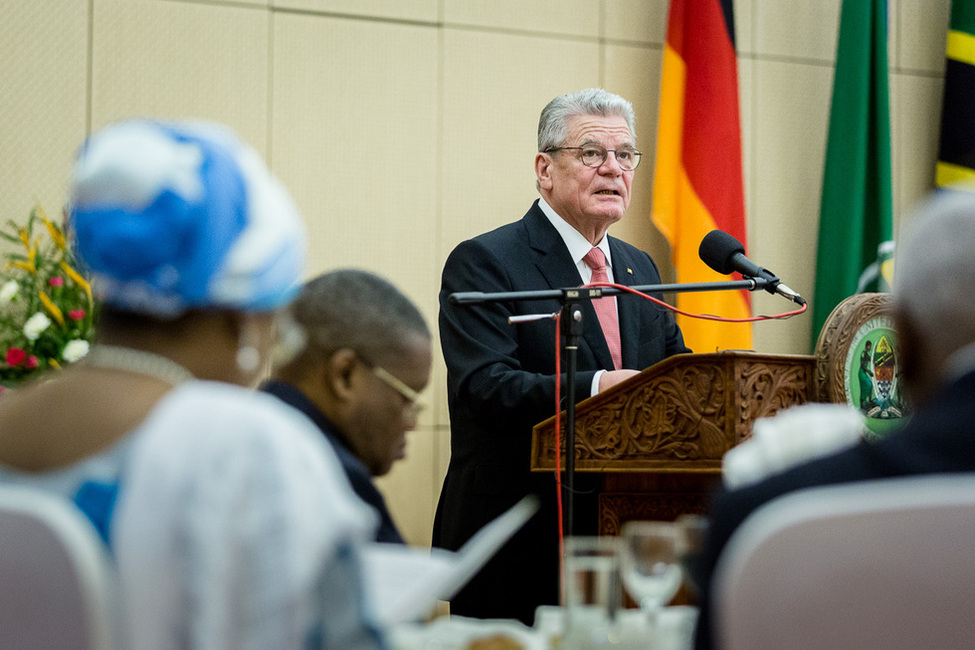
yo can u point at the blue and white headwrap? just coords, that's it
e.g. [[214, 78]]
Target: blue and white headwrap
[[171, 216]]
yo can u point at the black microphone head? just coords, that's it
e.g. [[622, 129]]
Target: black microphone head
[[717, 249]]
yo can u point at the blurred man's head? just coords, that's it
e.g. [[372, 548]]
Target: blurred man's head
[[933, 276], [586, 157], [367, 358]]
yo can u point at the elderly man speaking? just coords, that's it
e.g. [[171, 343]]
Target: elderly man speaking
[[501, 378]]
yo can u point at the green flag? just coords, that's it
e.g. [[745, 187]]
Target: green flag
[[956, 153], [856, 214]]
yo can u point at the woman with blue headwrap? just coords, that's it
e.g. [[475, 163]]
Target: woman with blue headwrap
[[229, 517]]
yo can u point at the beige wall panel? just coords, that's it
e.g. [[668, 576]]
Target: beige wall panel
[[355, 138], [797, 28], [43, 84], [749, 133], [574, 17], [634, 73], [425, 10], [744, 26], [495, 85], [174, 60], [915, 125], [253, 3], [636, 20], [791, 121], [922, 30], [354, 135], [409, 487]]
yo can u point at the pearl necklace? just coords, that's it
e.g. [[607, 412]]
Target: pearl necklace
[[138, 361]]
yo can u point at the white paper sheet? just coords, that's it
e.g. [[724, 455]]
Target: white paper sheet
[[405, 583]]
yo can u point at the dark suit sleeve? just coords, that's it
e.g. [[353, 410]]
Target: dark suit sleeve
[[498, 370], [663, 320]]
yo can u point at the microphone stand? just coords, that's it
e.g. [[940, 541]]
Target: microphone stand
[[570, 300]]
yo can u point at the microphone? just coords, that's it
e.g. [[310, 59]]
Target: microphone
[[725, 254]]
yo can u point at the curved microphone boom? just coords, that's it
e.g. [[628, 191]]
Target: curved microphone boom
[[725, 254]]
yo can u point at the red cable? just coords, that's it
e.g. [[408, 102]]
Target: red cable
[[558, 451], [720, 319]]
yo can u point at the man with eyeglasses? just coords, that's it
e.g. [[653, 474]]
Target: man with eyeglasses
[[366, 360], [501, 377]]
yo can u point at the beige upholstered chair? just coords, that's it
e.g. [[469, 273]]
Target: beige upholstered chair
[[56, 584], [883, 564]]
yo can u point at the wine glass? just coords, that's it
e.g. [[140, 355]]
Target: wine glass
[[649, 564]]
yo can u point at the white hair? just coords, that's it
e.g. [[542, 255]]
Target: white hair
[[934, 270], [553, 123]]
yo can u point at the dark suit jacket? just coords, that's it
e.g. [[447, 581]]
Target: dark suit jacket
[[938, 439], [359, 475], [501, 382]]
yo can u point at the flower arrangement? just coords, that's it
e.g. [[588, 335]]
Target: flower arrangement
[[46, 306]]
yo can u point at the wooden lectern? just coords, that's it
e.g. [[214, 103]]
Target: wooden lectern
[[657, 439]]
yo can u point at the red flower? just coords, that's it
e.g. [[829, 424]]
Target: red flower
[[56, 281], [32, 362], [77, 314], [15, 356]]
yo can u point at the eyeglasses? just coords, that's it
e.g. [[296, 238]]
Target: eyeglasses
[[410, 396], [594, 155]]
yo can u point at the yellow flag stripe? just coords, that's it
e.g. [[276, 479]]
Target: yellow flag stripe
[[949, 174], [961, 47]]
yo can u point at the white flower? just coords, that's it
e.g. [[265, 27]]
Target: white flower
[[8, 291], [35, 325], [74, 350]]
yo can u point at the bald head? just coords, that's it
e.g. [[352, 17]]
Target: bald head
[[933, 276]]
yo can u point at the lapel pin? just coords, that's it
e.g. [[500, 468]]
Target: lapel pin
[[629, 270]]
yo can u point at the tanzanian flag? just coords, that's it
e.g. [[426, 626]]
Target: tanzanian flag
[[856, 211], [956, 155], [697, 183]]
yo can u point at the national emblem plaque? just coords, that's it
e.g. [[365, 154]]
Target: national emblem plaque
[[857, 361]]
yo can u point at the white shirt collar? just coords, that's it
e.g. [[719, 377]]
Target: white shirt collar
[[578, 245]]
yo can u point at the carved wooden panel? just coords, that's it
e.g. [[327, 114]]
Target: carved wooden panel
[[680, 415], [617, 509]]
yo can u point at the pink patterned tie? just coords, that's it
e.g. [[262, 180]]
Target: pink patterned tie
[[605, 307]]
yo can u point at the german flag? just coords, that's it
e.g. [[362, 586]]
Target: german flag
[[956, 154], [698, 179]]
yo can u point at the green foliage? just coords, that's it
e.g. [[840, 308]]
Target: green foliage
[[46, 306]]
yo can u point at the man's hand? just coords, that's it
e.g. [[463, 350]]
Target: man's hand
[[612, 377]]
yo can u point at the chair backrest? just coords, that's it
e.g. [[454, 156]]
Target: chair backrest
[[56, 581], [882, 564]]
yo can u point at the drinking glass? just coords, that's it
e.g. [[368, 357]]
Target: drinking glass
[[592, 592], [649, 564]]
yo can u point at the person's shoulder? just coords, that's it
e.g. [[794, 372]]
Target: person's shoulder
[[216, 415], [847, 466], [503, 236]]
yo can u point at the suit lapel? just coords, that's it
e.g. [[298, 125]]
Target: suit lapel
[[554, 263]]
